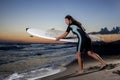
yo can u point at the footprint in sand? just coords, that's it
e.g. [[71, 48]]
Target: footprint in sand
[[112, 66], [108, 67], [98, 68], [116, 72]]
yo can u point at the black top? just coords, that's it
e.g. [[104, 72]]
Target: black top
[[77, 30]]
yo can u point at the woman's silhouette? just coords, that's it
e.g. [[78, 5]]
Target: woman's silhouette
[[84, 41]]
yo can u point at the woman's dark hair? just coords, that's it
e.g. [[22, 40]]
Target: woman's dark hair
[[75, 22]]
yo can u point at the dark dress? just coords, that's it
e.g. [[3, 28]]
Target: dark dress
[[84, 41]]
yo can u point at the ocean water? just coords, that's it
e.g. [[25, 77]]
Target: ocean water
[[33, 56], [17, 59]]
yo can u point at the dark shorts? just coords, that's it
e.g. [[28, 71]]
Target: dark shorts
[[84, 45]]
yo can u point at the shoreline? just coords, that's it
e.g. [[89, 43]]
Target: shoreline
[[92, 74], [89, 64]]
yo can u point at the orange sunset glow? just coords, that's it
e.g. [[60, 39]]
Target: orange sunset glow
[[17, 15], [25, 38]]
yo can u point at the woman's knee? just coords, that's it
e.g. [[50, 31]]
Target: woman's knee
[[78, 54], [89, 53]]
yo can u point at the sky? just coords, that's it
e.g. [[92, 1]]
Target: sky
[[16, 15]]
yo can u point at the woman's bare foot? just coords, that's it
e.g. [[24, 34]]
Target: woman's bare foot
[[79, 72], [103, 66]]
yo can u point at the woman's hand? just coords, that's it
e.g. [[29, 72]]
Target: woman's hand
[[58, 38], [62, 36]]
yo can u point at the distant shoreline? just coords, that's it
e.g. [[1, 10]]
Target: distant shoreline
[[108, 37], [104, 37]]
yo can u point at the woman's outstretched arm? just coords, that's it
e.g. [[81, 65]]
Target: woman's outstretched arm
[[62, 36]]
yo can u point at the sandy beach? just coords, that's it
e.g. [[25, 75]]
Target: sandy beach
[[109, 37], [91, 67]]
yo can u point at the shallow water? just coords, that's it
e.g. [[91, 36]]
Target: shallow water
[[24, 57]]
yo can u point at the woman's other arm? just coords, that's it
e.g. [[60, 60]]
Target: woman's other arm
[[62, 36]]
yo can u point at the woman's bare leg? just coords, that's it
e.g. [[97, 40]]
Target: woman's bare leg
[[97, 57], [80, 62]]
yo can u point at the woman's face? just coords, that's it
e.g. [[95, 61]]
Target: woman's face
[[67, 21]]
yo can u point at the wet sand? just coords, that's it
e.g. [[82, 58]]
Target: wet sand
[[112, 71]]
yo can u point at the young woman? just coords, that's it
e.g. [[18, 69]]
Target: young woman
[[84, 41]]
